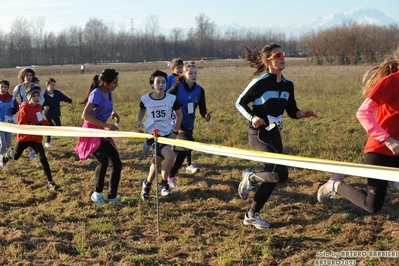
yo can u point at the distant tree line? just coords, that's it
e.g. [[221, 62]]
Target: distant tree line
[[350, 43], [28, 43]]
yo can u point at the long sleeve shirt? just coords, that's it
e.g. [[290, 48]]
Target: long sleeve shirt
[[268, 98], [379, 114]]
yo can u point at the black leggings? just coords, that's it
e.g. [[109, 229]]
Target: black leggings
[[182, 153], [57, 122], [108, 155], [373, 198], [39, 150], [271, 173]]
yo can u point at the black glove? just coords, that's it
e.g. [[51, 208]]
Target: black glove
[[14, 111]]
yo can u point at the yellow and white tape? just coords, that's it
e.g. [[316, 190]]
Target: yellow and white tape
[[371, 171]]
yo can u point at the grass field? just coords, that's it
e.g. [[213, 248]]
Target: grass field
[[201, 223]]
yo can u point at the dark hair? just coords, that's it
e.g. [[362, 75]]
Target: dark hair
[[5, 82], [107, 75], [157, 73], [257, 59], [49, 81], [31, 89], [22, 74], [175, 62]]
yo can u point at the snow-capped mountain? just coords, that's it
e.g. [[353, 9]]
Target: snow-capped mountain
[[363, 16]]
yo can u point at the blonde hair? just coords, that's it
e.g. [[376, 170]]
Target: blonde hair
[[389, 66], [182, 77]]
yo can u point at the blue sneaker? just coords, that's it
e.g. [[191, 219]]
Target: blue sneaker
[[116, 202], [32, 155], [97, 198], [394, 184]]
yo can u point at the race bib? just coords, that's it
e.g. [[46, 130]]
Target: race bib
[[190, 108], [39, 116], [275, 122], [147, 123], [10, 119]]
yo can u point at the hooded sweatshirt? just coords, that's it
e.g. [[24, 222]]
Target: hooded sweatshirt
[[7, 102], [30, 115], [20, 93]]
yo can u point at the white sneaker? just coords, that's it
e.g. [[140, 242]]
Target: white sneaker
[[172, 182], [48, 144], [2, 163], [165, 189], [97, 198], [53, 186], [32, 155], [116, 202], [192, 169], [6, 157], [256, 221], [329, 189], [245, 185]]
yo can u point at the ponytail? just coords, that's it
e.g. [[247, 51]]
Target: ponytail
[[95, 83]]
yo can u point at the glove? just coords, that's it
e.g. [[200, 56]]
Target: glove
[[14, 110]]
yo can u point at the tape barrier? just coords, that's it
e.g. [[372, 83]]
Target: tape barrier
[[371, 171], [69, 131], [364, 170]]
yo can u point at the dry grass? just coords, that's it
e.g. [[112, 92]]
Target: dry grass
[[201, 223]]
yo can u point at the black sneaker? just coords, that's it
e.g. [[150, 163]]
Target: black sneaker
[[6, 157], [3, 160], [53, 186], [165, 189], [145, 190]]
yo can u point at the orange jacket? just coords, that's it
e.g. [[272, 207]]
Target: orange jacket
[[30, 115]]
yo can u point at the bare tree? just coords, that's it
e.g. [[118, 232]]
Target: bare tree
[[3, 49], [75, 45], [28, 43], [62, 47], [37, 26], [176, 38], [20, 48], [151, 35], [350, 43], [204, 34], [50, 48], [95, 37]]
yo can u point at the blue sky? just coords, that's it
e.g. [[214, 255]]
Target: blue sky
[[59, 15]]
